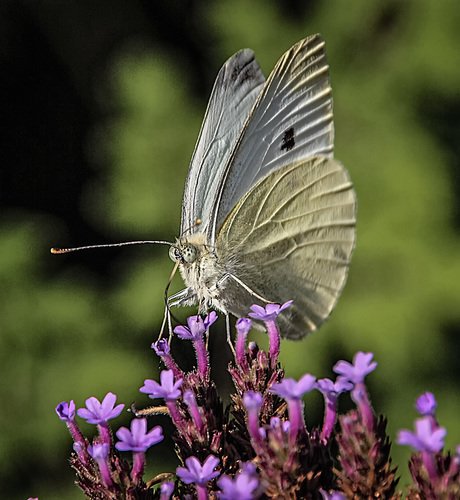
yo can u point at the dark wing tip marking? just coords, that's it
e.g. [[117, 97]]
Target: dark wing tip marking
[[244, 71], [288, 142], [235, 72]]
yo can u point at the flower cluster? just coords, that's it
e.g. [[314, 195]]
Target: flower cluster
[[259, 445], [100, 471], [435, 474]]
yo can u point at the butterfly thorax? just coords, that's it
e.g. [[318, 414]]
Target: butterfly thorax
[[200, 269]]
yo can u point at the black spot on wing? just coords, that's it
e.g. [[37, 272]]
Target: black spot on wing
[[288, 142]]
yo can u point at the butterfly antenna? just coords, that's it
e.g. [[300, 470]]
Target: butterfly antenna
[[197, 223], [58, 251]]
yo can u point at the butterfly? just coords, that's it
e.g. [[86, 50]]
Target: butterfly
[[268, 214]]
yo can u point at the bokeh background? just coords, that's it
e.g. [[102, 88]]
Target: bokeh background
[[101, 104]]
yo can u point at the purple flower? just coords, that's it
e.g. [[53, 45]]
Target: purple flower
[[332, 495], [243, 325], [79, 447], [426, 404], [66, 411], [99, 451], [196, 328], [166, 490], [99, 413], [252, 401], [163, 350], [355, 372], [292, 392], [167, 389], [248, 468], [161, 347], [268, 313], [196, 473], [333, 389], [242, 487], [210, 319], [194, 410], [138, 439], [290, 389], [276, 423], [426, 437]]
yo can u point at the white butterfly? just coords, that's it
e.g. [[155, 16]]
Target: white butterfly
[[268, 215]]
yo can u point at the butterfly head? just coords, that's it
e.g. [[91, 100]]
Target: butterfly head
[[184, 253]]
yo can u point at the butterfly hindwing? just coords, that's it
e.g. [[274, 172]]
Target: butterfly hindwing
[[291, 237]]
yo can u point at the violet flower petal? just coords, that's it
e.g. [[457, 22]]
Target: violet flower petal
[[425, 438], [99, 413], [241, 487], [291, 389], [196, 473], [167, 388], [196, 327], [426, 404], [355, 372], [243, 326], [269, 312], [332, 389], [166, 490], [253, 400], [183, 332], [137, 438], [66, 411], [210, 319], [161, 347], [99, 451]]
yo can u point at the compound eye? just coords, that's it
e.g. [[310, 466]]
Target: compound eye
[[175, 254], [189, 253]]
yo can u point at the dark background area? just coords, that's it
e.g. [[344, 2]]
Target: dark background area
[[101, 103]]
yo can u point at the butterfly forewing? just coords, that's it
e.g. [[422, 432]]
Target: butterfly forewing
[[235, 90], [291, 121], [291, 237]]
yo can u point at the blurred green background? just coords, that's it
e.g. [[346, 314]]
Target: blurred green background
[[101, 104]]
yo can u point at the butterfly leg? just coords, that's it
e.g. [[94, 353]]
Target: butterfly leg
[[166, 320], [229, 333], [163, 324], [184, 297], [248, 289], [219, 307]]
